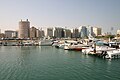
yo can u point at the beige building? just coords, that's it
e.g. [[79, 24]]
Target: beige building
[[97, 31], [2, 35], [33, 32], [24, 29]]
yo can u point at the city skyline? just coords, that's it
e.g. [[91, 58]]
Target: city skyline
[[65, 13]]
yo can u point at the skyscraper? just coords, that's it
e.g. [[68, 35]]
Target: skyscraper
[[24, 29], [83, 31]]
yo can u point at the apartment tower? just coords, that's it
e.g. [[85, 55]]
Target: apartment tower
[[24, 29]]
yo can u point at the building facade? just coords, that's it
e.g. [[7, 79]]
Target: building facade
[[41, 33], [75, 33], [9, 34], [67, 33], [83, 31], [97, 31], [58, 32], [49, 32], [33, 32], [24, 29], [37, 33], [90, 31]]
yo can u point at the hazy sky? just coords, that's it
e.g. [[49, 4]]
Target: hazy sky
[[69, 13]]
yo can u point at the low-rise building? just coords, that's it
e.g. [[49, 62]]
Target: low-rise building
[[9, 34]]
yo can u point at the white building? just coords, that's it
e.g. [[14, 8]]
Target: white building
[[118, 31], [90, 31]]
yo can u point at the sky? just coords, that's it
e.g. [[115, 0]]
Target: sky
[[64, 13]]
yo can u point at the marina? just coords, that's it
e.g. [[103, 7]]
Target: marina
[[99, 48], [60, 40]]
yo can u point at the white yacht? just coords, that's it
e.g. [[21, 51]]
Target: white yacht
[[113, 54], [45, 42]]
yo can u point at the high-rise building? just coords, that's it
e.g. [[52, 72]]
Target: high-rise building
[[97, 31], [83, 31], [67, 33], [90, 31], [75, 33], [42, 33], [37, 33], [33, 32], [58, 32], [24, 29], [49, 32]]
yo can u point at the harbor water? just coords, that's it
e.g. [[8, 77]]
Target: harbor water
[[50, 63]]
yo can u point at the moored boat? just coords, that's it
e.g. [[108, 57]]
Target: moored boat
[[76, 47], [45, 42]]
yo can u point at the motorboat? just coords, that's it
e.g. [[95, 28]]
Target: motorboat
[[45, 42], [90, 50], [113, 54], [62, 44], [76, 47]]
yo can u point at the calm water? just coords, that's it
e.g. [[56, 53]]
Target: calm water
[[49, 63]]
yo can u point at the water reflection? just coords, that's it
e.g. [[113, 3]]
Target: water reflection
[[41, 62], [23, 55]]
